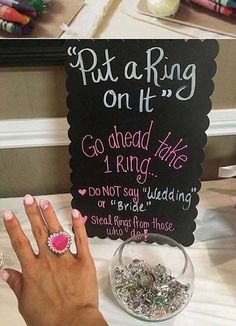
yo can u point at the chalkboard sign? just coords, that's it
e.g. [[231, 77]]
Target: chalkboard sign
[[138, 115]]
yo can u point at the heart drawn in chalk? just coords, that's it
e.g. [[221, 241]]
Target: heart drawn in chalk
[[85, 218], [82, 192]]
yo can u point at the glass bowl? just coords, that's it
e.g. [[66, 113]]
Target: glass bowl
[[151, 277]]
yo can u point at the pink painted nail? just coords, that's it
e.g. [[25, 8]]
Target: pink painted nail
[[4, 275], [28, 199], [85, 218], [44, 204], [7, 215], [75, 213]]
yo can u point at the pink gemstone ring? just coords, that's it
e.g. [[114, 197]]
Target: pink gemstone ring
[[59, 242]]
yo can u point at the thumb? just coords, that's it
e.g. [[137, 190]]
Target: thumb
[[13, 278]]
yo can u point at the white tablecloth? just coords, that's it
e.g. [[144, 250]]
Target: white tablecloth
[[164, 28], [213, 255], [121, 19], [86, 23]]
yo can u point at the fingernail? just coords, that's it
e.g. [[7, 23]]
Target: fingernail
[[28, 199], [75, 213], [7, 215], [4, 275], [44, 204]]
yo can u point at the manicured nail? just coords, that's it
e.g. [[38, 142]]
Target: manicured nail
[[44, 204], [4, 275], [75, 213], [28, 199], [7, 215]]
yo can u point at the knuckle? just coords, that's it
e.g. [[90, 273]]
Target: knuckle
[[47, 263], [87, 260], [41, 232], [20, 242], [77, 237], [81, 238]]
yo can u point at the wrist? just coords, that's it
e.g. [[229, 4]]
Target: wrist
[[89, 316]]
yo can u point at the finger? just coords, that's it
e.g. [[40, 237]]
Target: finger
[[81, 238], [38, 225], [49, 216], [13, 278], [51, 219], [19, 240]]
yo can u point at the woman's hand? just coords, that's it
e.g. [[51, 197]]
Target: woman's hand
[[52, 290]]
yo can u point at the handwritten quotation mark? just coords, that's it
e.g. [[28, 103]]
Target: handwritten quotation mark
[[113, 202], [72, 50], [149, 203], [166, 93]]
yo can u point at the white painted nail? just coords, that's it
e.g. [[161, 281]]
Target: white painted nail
[[28, 199], [4, 275], [44, 204], [75, 213], [7, 215]]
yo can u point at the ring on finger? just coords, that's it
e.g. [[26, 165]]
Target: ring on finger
[[59, 242]]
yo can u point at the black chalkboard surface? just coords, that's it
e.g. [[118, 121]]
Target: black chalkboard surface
[[138, 115]]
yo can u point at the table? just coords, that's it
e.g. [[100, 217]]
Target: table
[[122, 20], [116, 24], [213, 255]]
